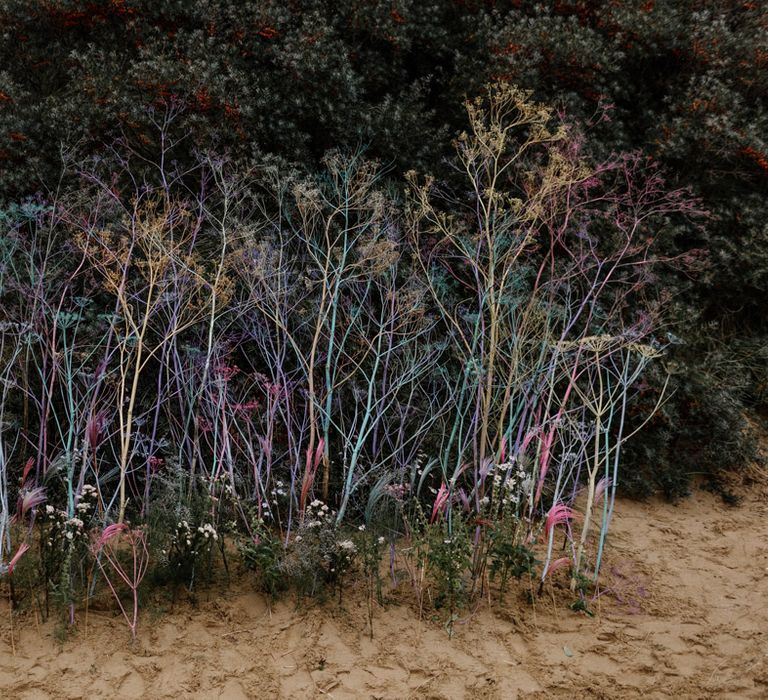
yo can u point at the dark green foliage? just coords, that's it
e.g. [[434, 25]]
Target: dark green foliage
[[263, 555], [508, 559], [683, 80]]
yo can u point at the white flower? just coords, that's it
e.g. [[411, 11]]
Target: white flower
[[49, 510], [348, 545], [362, 528], [381, 540]]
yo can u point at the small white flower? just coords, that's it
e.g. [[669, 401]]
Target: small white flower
[[381, 540], [362, 528]]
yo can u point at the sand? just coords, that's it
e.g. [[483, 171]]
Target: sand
[[683, 613]]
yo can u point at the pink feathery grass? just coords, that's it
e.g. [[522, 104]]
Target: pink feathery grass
[[310, 469], [108, 533], [485, 468], [108, 561], [15, 559], [546, 453], [558, 515], [27, 468], [561, 563], [441, 500], [29, 499], [94, 429], [602, 486]]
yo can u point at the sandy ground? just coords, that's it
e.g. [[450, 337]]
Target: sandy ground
[[683, 613]]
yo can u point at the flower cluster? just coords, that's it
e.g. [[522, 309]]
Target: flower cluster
[[188, 542], [317, 514], [510, 484], [63, 530], [86, 504], [219, 484], [341, 558]]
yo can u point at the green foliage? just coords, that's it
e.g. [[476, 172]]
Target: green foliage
[[449, 557], [263, 553], [685, 81], [510, 559]]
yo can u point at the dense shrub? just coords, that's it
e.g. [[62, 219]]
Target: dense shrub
[[683, 81], [273, 356]]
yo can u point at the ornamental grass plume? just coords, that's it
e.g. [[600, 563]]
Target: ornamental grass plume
[[441, 501], [558, 514], [105, 547], [23, 547]]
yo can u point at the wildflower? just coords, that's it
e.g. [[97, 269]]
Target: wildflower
[[381, 540], [361, 528]]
